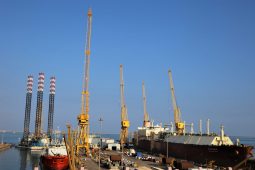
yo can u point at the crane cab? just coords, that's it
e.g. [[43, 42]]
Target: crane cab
[[125, 123], [83, 119], [179, 127]]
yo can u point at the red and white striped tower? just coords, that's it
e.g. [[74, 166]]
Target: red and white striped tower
[[51, 105], [28, 108], [38, 119]]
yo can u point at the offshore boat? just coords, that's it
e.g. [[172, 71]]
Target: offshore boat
[[38, 144], [55, 158]]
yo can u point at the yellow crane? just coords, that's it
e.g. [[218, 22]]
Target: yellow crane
[[78, 141], [124, 116], [146, 121], [179, 125]]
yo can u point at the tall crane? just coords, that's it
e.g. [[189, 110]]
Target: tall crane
[[82, 141], [77, 143], [146, 121], [179, 125], [124, 117]]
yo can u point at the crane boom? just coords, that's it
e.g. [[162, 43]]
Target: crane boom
[[146, 122], [77, 144], [82, 142], [122, 99], [85, 85], [179, 125], [175, 107], [124, 116]]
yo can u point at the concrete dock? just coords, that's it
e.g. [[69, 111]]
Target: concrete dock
[[4, 146]]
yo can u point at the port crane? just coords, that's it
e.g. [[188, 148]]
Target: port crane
[[124, 117], [179, 125], [146, 121], [78, 141]]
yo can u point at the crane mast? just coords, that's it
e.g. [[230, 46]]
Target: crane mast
[[179, 125], [124, 116], [146, 121], [77, 142]]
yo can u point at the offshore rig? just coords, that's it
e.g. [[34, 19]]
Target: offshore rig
[[36, 139]]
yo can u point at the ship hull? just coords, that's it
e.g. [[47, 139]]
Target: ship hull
[[54, 162], [227, 156]]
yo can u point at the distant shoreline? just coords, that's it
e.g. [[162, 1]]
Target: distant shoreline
[[13, 131]]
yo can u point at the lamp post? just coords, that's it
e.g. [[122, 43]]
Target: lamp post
[[101, 122]]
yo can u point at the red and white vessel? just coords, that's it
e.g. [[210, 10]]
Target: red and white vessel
[[55, 158]]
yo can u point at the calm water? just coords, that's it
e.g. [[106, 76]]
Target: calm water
[[20, 159]]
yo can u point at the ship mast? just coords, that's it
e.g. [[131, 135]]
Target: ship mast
[[179, 125]]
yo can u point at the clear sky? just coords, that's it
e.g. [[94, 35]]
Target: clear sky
[[209, 45]]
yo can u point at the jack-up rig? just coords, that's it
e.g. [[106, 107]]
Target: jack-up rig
[[38, 119], [38, 138], [27, 110], [51, 106], [77, 143]]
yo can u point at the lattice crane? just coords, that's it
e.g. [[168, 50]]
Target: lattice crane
[[146, 121], [82, 142], [78, 141], [124, 116], [179, 125]]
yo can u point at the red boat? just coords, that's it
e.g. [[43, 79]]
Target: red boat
[[55, 158], [57, 162]]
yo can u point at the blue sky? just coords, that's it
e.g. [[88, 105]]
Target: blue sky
[[209, 45]]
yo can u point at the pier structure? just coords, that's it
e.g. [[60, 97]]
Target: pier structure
[[51, 106], [4, 146], [27, 109], [38, 119]]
